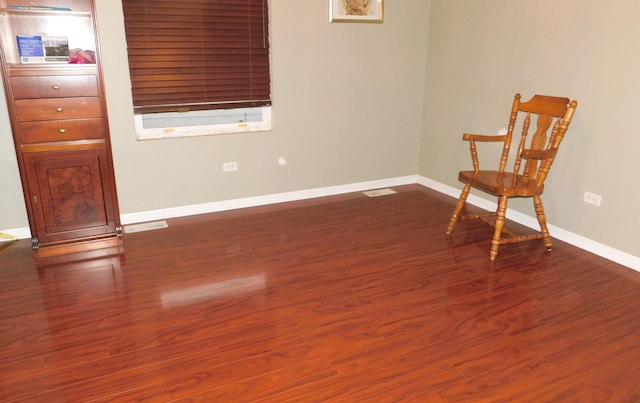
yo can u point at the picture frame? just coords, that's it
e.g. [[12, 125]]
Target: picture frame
[[356, 11]]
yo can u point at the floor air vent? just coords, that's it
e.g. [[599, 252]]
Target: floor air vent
[[379, 192], [145, 226]]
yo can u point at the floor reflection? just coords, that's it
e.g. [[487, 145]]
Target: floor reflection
[[209, 291], [87, 281]]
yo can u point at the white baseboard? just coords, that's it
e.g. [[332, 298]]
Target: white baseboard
[[225, 205], [20, 233], [594, 247], [607, 252]]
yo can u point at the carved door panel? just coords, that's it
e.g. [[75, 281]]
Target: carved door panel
[[69, 196]]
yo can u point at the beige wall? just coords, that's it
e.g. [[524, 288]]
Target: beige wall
[[344, 110], [482, 52], [347, 108], [12, 211]]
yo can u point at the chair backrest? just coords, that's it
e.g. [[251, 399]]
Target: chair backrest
[[551, 117]]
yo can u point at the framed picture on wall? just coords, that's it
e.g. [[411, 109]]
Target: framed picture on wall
[[355, 10]]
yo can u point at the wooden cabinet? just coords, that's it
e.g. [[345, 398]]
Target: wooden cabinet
[[60, 130]]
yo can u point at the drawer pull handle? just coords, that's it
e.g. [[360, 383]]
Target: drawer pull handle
[[62, 130], [35, 199], [59, 109], [55, 87]]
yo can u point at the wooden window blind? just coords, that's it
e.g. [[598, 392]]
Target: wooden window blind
[[197, 54]]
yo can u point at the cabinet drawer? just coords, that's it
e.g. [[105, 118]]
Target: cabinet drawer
[[26, 87], [57, 108], [61, 130]]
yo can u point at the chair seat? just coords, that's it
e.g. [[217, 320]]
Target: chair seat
[[501, 183]]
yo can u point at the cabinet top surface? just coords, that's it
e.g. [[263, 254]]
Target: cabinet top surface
[[45, 69]]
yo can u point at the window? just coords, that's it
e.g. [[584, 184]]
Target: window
[[197, 57]]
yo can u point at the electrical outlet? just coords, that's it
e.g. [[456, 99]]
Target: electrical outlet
[[592, 198], [229, 166]]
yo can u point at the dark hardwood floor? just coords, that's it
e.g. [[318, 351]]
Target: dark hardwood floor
[[346, 298]]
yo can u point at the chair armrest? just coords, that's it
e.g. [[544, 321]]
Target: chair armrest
[[472, 138], [483, 137], [539, 154]]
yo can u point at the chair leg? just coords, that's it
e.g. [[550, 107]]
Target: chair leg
[[461, 201], [497, 234], [542, 220]]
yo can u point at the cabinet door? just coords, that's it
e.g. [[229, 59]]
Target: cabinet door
[[69, 195]]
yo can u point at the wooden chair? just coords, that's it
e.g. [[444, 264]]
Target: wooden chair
[[528, 176]]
